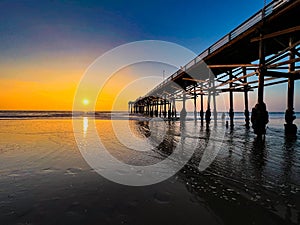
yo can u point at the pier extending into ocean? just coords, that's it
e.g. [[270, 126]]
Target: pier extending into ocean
[[262, 51]]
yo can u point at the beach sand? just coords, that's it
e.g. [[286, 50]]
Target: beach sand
[[45, 180]]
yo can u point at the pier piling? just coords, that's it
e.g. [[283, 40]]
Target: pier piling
[[195, 103], [260, 115], [231, 112], [183, 111], [246, 112], [208, 112], [290, 128], [201, 105], [214, 101]]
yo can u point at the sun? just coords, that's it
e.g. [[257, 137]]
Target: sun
[[85, 101]]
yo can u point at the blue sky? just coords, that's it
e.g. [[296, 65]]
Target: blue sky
[[73, 25]]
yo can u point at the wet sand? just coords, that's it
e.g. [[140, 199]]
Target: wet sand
[[45, 180]]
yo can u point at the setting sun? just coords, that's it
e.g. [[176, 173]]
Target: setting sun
[[85, 101]]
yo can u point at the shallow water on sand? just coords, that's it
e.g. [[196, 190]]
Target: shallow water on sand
[[45, 180]]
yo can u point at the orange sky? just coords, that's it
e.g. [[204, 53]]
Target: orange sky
[[33, 84], [51, 84], [45, 82]]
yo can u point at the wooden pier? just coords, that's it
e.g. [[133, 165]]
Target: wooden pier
[[262, 51]]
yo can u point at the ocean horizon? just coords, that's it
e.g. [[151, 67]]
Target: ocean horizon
[[103, 114]]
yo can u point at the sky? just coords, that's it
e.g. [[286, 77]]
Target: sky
[[47, 46]]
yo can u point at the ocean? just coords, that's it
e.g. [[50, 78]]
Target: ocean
[[46, 178]]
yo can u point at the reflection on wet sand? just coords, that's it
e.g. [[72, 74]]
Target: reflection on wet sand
[[237, 185], [44, 179]]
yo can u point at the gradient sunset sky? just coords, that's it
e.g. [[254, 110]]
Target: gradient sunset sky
[[46, 46]]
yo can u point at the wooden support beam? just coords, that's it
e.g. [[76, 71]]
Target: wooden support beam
[[221, 77], [281, 54], [177, 87], [283, 63], [295, 72], [235, 89], [166, 93], [292, 74], [276, 58], [237, 79], [217, 91], [232, 65], [277, 33], [196, 80], [279, 42], [256, 81], [273, 83], [297, 53]]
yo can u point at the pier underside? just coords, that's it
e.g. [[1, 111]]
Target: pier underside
[[263, 51]]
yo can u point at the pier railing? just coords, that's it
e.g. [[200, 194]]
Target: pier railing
[[256, 18]]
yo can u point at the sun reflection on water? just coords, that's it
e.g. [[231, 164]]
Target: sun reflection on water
[[85, 125]]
